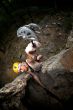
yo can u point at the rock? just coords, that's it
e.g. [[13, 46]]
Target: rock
[[60, 68], [11, 93], [56, 72], [69, 43], [57, 76]]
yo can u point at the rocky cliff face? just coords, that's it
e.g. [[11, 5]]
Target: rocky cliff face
[[52, 37], [56, 76], [57, 70]]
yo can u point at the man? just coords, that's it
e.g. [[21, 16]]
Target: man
[[33, 59]]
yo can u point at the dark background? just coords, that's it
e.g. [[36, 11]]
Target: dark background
[[15, 11], [50, 3]]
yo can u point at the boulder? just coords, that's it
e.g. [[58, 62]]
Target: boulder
[[57, 76]]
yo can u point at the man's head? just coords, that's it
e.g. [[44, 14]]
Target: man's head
[[20, 67]]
